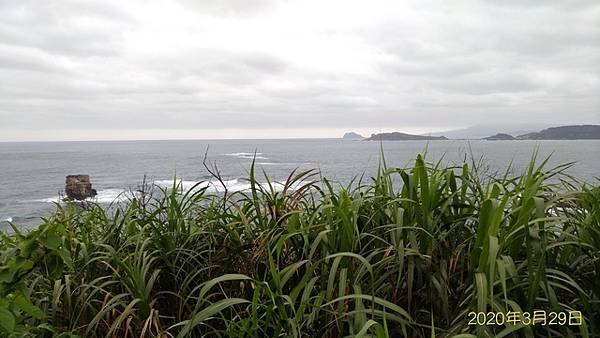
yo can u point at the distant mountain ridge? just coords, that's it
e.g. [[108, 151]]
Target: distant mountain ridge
[[570, 132], [575, 132], [482, 131], [396, 136]]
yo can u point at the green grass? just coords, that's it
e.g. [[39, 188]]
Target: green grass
[[409, 252]]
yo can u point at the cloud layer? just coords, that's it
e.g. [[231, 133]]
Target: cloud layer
[[257, 65]]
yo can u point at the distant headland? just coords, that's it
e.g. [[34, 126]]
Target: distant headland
[[580, 132], [396, 136], [571, 132]]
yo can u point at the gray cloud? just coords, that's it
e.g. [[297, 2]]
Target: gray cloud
[[80, 28], [236, 64]]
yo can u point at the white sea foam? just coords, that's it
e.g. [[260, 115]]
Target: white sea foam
[[119, 195], [49, 199], [9, 219], [280, 163], [248, 156], [242, 154], [104, 196], [185, 185], [231, 185], [112, 195], [211, 186], [253, 157]]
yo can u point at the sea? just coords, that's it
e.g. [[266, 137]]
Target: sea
[[32, 174]]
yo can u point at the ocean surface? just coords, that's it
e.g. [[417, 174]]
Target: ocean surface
[[32, 174]]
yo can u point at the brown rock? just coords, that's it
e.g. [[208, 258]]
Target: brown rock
[[79, 187]]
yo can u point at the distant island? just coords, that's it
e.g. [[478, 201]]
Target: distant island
[[499, 137], [582, 132], [396, 136], [352, 136]]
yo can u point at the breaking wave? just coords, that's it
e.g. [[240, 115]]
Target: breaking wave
[[104, 196], [213, 186], [280, 163], [112, 195], [107, 196], [229, 185], [248, 156]]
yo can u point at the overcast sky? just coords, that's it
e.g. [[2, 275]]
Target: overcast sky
[[114, 69]]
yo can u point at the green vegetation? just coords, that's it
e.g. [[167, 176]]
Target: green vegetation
[[408, 253]]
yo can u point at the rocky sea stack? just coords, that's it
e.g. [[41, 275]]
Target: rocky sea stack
[[79, 187]]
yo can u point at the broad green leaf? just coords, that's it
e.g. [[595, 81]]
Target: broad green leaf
[[24, 304], [7, 320], [52, 241]]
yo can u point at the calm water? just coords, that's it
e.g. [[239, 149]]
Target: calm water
[[32, 174]]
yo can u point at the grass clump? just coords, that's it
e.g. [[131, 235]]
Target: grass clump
[[408, 253]]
